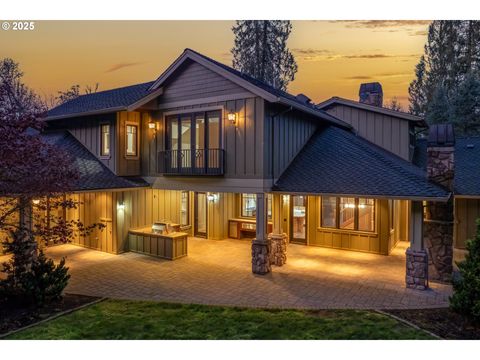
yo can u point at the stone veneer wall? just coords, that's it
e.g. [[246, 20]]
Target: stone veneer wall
[[438, 224]]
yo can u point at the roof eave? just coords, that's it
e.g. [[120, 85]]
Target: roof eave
[[87, 113], [397, 197]]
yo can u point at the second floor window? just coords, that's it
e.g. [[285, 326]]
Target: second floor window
[[105, 140], [131, 140]]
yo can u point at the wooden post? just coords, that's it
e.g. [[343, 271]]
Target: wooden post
[[277, 213], [416, 276], [261, 217]]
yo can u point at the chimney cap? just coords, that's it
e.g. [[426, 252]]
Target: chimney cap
[[441, 135], [372, 87]]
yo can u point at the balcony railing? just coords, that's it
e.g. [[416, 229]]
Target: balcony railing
[[191, 162]]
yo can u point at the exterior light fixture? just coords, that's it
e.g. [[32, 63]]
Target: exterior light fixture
[[232, 117], [35, 201], [151, 125], [121, 205], [212, 197]]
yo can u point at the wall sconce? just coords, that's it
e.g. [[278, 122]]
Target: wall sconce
[[35, 201], [285, 198], [232, 117], [121, 205], [212, 197], [151, 125]]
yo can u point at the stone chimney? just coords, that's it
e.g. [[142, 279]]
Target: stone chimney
[[371, 94], [438, 225]]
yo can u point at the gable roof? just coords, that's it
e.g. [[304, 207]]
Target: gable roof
[[419, 121], [467, 162], [337, 162], [124, 98], [255, 86], [93, 174]]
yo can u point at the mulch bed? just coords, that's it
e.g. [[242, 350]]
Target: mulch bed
[[12, 318], [442, 322]]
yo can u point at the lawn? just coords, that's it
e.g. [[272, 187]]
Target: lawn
[[117, 319]]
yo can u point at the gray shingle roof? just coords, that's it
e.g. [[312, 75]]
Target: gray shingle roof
[[109, 99], [93, 174], [467, 164], [335, 161]]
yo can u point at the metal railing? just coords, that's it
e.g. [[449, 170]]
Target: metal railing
[[191, 162]]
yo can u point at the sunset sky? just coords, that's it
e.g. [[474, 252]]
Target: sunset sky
[[333, 57]]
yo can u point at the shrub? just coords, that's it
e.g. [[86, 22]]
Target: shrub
[[466, 288], [31, 279]]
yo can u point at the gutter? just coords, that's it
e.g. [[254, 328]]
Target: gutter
[[93, 112]]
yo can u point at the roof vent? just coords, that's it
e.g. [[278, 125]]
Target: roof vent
[[303, 98], [371, 94]]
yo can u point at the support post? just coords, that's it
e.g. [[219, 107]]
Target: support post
[[278, 254], [416, 255], [261, 244]]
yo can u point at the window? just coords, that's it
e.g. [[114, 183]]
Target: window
[[329, 211], [366, 214], [249, 205], [105, 140], [184, 206], [131, 140], [348, 213]]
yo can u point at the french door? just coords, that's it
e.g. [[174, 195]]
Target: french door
[[193, 142], [200, 226], [298, 219]]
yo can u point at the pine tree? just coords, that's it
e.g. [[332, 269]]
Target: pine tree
[[416, 90], [261, 51], [439, 109], [466, 290], [466, 106]]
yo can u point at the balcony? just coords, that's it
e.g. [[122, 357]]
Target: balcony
[[191, 162]]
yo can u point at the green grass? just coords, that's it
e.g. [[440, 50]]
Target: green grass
[[117, 319]]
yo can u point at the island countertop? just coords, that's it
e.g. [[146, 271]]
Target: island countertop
[[148, 232]]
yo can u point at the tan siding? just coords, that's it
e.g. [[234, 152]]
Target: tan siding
[[467, 211]]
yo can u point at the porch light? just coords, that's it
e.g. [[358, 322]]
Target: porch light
[[151, 125], [35, 201], [232, 117], [212, 197], [121, 205]]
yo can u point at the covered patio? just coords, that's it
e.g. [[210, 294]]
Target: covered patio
[[219, 272]]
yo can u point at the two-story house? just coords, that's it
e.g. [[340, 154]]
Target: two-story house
[[211, 152]]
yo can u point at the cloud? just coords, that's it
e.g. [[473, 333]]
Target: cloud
[[358, 77], [367, 56], [119, 66], [375, 24], [419, 33]]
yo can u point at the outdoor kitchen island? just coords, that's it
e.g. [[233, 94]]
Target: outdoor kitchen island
[[167, 245]]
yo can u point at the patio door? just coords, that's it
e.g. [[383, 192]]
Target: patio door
[[200, 214], [298, 219]]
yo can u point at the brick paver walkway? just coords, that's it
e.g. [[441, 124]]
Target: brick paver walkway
[[219, 272]]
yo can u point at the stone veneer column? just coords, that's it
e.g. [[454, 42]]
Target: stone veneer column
[[438, 227], [261, 245]]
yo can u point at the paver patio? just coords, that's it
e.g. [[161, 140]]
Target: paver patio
[[219, 272]]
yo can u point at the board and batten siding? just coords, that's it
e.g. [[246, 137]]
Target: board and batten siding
[[194, 81], [467, 211], [385, 131], [288, 131], [86, 130], [377, 242]]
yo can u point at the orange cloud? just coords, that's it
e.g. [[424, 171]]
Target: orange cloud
[[119, 66]]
